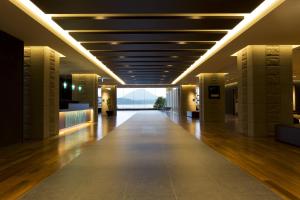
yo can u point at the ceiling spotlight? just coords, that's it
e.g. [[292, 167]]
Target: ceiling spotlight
[[114, 43], [174, 56], [195, 17], [130, 72], [99, 17], [162, 79], [170, 65], [166, 71], [181, 42], [122, 57], [132, 76]]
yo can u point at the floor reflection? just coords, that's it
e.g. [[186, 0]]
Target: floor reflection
[[107, 124], [272, 162], [22, 166], [192, 125]]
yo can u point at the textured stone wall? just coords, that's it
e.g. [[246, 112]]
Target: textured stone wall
[[265, 88], [41, 92]]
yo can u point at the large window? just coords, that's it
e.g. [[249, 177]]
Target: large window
[[138, 98]]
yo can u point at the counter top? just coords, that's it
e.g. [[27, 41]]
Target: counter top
[[76, 107]]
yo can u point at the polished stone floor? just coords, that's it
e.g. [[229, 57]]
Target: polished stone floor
[[150, 157], [23, 166]]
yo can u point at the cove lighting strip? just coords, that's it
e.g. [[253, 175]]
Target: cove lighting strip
[[37, 14], [258, 13]]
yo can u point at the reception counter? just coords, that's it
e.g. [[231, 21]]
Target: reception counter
[[75, 115]]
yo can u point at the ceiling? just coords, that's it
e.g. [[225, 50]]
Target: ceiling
[[279, 27], [147, 42]]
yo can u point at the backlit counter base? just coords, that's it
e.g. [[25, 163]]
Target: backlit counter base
[[71, 118]]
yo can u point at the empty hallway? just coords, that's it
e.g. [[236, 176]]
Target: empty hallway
[[150, 100], [150, 157]]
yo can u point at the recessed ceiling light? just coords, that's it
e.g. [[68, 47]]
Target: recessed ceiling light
[[166, 71], [181, 42], [174, 56], [114, 43], [99, 17], [130, 72], [170, 65], [195, 17], [122, 57], [132, 76], [163, 75]]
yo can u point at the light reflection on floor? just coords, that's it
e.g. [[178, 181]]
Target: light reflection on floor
[[83, 135], [191, 124], [106, 124]]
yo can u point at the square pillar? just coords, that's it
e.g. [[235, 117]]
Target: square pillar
[[172, 99], [187, 99], [265, 88], [86, 91], [109, 92], [41, 92], [212, 97]]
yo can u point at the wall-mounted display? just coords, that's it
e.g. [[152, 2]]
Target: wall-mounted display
[[214, 92]]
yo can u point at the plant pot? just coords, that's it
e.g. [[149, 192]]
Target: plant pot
[[110, 112]]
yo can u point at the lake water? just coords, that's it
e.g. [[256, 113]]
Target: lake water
[[135, 106]]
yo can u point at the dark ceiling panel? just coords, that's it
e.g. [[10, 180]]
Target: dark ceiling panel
[[147, 62], [143, 6], [147, 24], [147, 59], [124, 47], [163, 36], [149, 53], [147, 42]]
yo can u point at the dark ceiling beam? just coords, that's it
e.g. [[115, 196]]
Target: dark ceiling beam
[[119, 37], [149, 53], [147, 24], [147, 59], [147, 62], [153, 6], [124, 47], [151, 57]]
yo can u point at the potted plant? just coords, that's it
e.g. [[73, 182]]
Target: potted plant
[[159, 103], [110, 111]]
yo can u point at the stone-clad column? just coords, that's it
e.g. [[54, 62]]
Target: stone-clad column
[[264, 89], [187, 99], [41, 92], [86, 91], [109, 92], [212, 97]]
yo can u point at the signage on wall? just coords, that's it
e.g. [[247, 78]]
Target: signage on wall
[[214, 92]]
